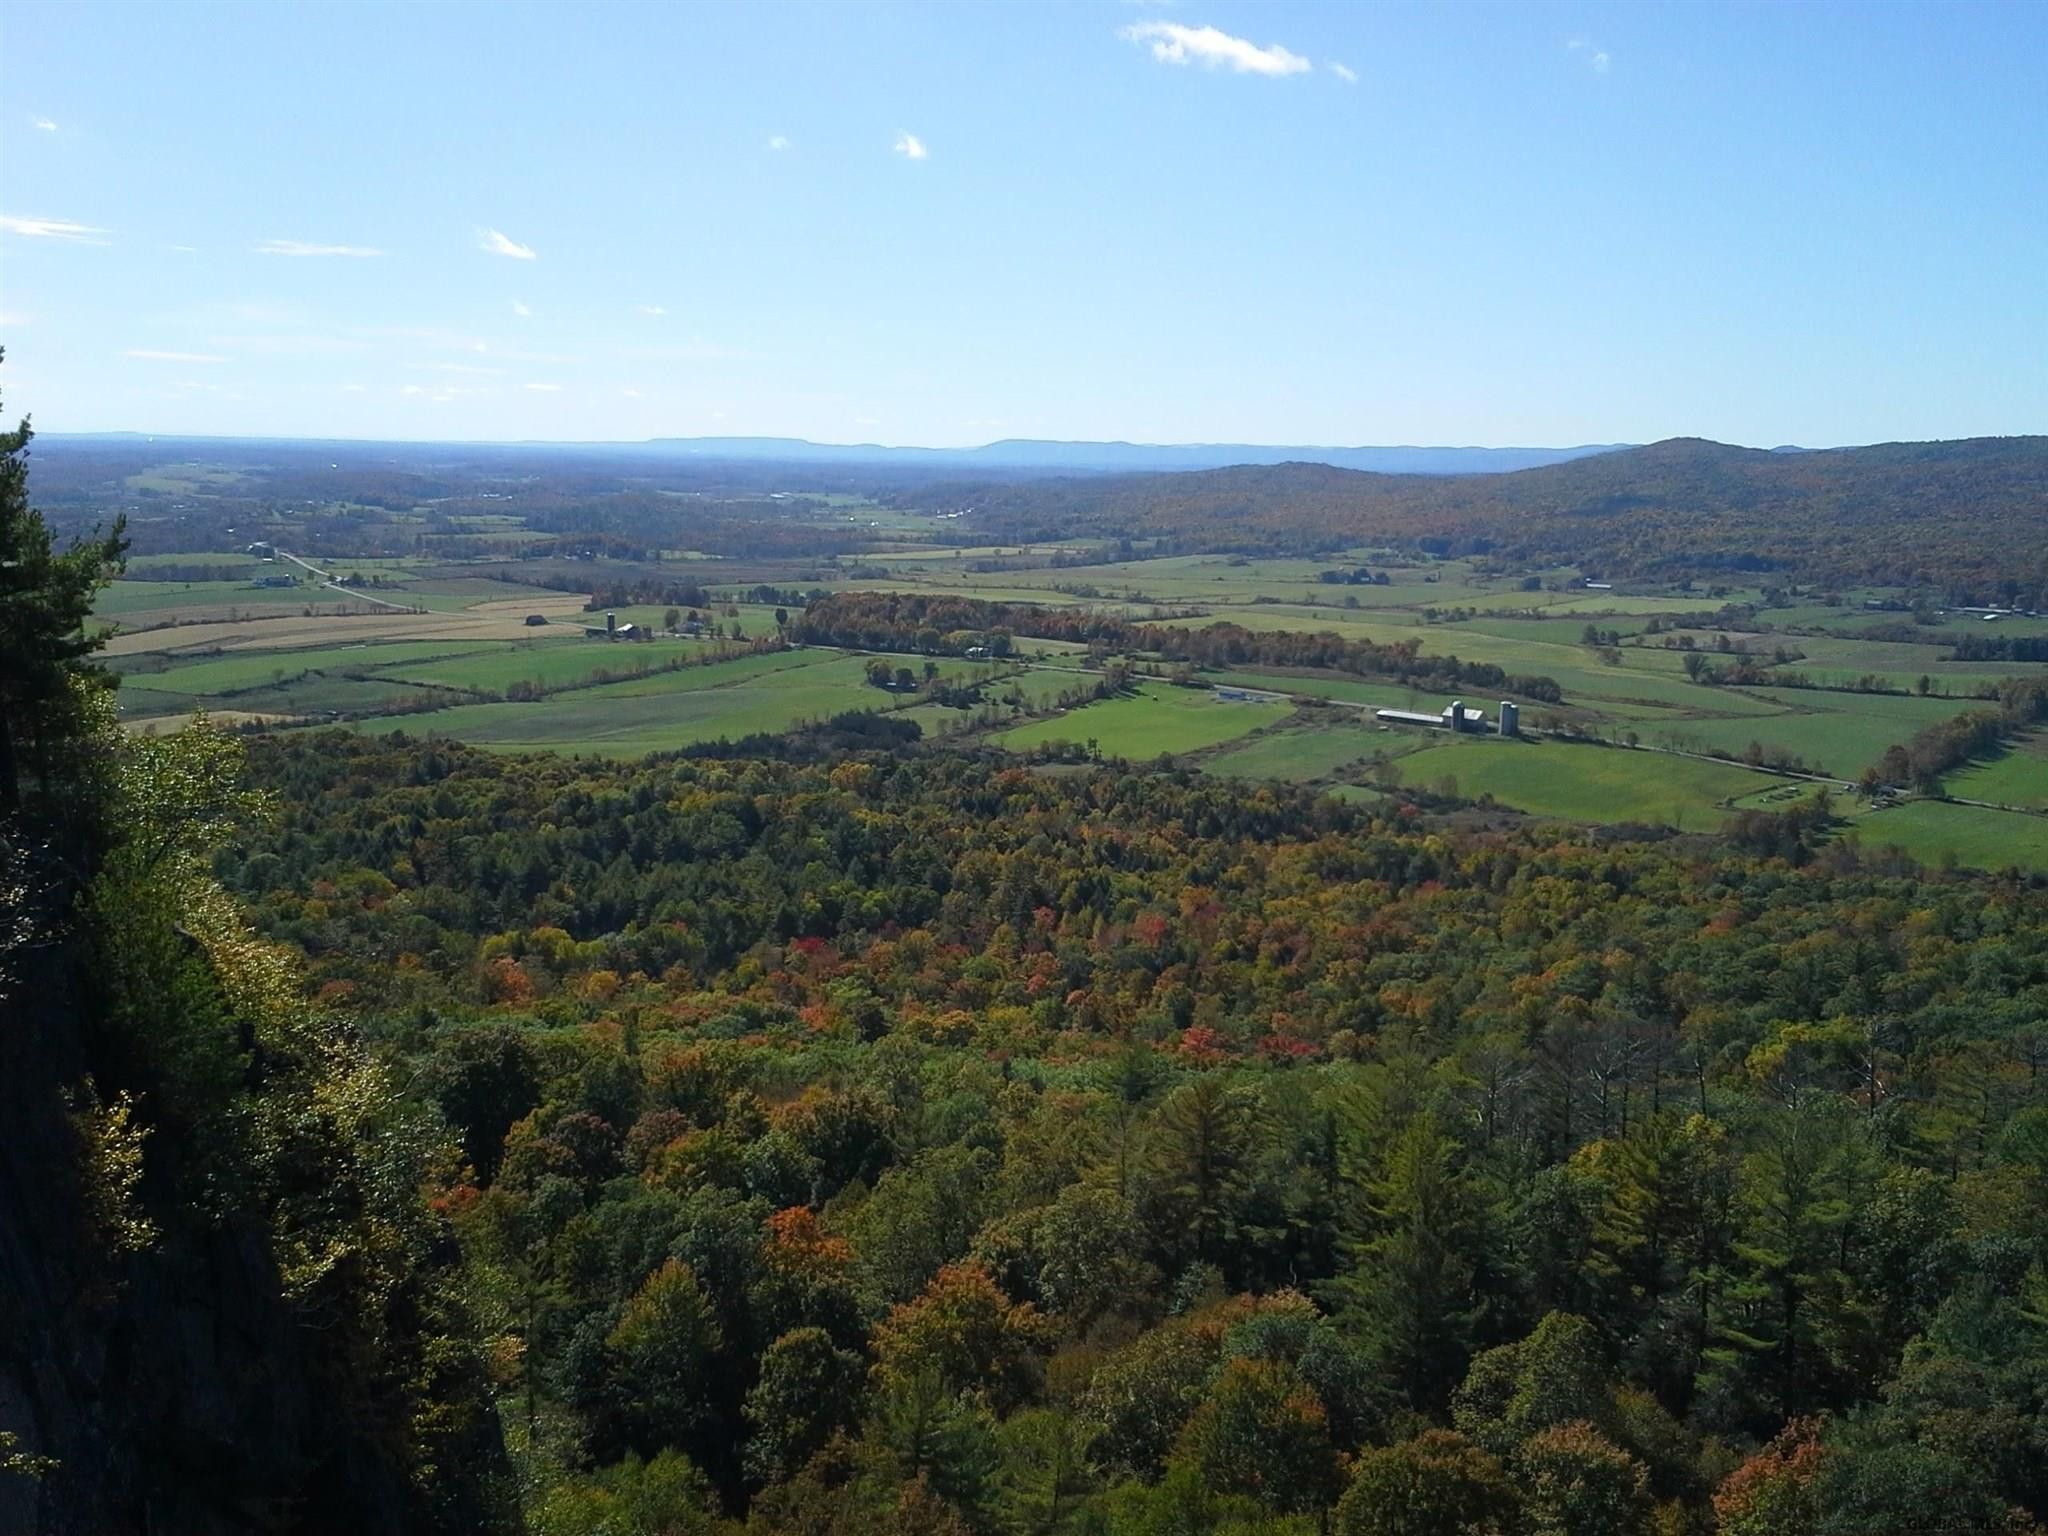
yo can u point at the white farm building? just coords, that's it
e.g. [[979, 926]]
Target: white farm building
[[1455, 717]]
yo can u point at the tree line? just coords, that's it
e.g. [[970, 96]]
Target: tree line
[[946, 625]]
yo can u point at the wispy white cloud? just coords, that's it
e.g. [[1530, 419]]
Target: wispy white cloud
[[1173, 43], [546, 389], [465, 368], [630, 393], [52, 229], [498, 243], [412, 389], [156, 355], [523, 310], [9, 318], [1344, 72], [44, 125], [653, 309], [1596, 57], [911, 147], [183, 250], [778, 141], [355, 389], [311, 248]]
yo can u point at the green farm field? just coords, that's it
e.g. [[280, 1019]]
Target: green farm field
[[811, 663], [1584, 783], [1040, 687], [230, 674], [135, 599], [1337, 688], [1843, 653], [551, 664], [937, 720], [772, 692], [1934, 832], [313, 693], [1299, 756], [1558, 631], [139, 566], [2018, 776], [1155, 718], [1837, 733]]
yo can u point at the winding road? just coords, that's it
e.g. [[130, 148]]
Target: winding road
[[328, 581]]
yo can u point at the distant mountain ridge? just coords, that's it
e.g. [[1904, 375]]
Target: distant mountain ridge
[[1129, 458], [1046, 456]]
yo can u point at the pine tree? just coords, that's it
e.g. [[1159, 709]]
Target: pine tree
[[1410, 1285], [1197, 1159], [45, 600]]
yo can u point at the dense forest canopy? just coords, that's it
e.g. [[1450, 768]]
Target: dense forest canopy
[[973, 1143]]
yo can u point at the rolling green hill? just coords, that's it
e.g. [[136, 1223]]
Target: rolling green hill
[[1969, 516]]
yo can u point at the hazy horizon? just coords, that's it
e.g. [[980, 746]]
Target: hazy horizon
[[1587, 448]]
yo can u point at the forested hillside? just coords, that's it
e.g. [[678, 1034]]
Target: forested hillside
[[889, 1144], [1967, 518]]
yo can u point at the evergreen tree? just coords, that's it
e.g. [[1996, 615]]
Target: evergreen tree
[[1410, 1284], [46, 599], [1197, 1161]]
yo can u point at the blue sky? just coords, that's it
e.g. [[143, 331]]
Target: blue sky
[[1511, 224]]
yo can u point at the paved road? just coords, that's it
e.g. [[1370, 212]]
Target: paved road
[[328, 581]]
